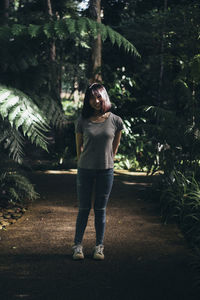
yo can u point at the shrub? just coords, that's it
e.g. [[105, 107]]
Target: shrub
[[15, 188], [180, 202]]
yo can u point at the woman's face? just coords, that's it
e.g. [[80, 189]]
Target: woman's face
[[95, 102]]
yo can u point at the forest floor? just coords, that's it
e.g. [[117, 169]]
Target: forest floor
[[144, 259]]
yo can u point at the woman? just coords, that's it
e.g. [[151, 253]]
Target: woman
[[98, 133]]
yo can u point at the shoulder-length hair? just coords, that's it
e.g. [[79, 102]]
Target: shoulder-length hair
[[95, 90]]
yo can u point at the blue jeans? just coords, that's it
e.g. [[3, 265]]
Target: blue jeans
[[102, 180]]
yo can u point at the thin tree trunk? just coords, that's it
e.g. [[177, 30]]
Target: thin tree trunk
[[6, 8], [162, 58], [161, 73], [20, 3], [96, 57], [53, 46], [4, 11], [55, 88]]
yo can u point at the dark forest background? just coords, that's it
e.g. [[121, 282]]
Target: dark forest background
[[146, 53]]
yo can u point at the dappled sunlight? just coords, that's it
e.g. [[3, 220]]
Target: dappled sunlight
[[24, 296], [129, 173], [74, 171], [58, 172], [134, 177], [52, 208], [145, 184]]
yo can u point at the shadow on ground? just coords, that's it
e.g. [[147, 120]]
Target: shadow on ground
[[143, 258]]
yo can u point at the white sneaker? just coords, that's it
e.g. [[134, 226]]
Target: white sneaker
[[98, 252], [78, 252]]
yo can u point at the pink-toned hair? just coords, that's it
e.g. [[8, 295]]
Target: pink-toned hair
[[95, 90]]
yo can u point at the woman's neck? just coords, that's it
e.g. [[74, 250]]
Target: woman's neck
[[101, 117], [97, 114]]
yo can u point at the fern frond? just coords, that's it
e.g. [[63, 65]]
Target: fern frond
[[18, 29], [48, 29], [118, 40], [22, 113], [6, 105], [93, 27], [5, 32], [103, 30], [53, 112], [63, 28], [193, 131], [14, 144], [159, 112], [89, 24], [17, 187], [195, 67], [81, 25], [12, 140], [70, 25], [111, 34], [14, 111], [108, 32], [34, 30], [60, 29]]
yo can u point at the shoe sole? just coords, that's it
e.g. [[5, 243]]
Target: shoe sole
[[78, 257], [98, 257]]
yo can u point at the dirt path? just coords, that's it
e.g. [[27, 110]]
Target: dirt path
[[143, 258]]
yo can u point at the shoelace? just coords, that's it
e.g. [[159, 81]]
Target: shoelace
[[78, 249], [99, 249]]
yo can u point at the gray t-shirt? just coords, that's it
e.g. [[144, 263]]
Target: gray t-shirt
[[97, 142]]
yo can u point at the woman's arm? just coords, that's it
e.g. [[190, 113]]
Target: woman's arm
[[116, 142], [79, 144]]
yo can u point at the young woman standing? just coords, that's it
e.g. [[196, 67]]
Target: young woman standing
[[98, 133]]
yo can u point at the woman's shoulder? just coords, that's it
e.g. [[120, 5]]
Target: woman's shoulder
[[115, 117], [117, 121], [80, 119], [79, 123]]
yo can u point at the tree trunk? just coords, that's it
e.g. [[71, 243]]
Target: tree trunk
[[4, 11], [53, 46], [6, 8], [55, 88], [162, 58], [96, 57]]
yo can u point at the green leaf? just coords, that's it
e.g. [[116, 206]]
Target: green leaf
[[70, 25], [102, 29], [81, 25], [18, 29], [34, 30], [111, 34], [48, 29], [60, 28]]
